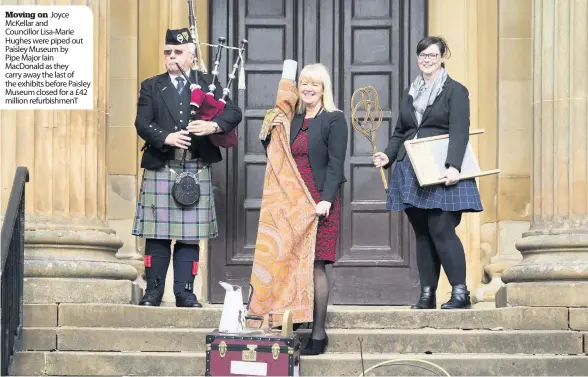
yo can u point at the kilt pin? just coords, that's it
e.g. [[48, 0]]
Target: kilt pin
[[163, 108]]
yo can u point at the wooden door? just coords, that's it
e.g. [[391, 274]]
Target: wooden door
[[365, 42]]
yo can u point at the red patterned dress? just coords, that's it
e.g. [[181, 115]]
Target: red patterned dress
[[328, 227]]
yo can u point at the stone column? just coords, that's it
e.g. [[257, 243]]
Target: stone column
[[508, 217], [69, 249], [554, 269], [122, 147]]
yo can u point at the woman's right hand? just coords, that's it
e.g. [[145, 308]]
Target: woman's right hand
[[380, 159]]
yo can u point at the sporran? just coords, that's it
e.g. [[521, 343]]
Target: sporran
[[186, 188]]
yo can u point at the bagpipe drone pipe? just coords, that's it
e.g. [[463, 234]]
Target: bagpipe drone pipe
[[203, 106]]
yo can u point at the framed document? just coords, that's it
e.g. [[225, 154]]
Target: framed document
[[427, 156]]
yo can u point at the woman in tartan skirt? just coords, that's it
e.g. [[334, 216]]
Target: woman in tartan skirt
[[163, 121], [435, 104]]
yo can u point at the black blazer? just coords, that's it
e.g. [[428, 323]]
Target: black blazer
[[327, 146], [449, 114], [158, 115]]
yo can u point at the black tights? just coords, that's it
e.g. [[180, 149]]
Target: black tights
[[437, 245], [321, 300]]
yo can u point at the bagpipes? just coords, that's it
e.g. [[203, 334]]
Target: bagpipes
[[203, 106]]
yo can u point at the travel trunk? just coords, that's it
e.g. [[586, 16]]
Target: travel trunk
[[252, 354]]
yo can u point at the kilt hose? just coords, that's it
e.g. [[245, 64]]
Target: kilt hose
[[158, 215]]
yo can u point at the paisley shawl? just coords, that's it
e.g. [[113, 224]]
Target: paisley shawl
[[282, 274]]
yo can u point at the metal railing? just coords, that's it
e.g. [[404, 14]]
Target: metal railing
[[12, 272]]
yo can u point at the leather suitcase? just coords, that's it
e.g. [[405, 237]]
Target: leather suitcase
[[253, 354]]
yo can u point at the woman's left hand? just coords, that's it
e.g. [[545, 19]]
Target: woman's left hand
[[322, 209], [451, 176]]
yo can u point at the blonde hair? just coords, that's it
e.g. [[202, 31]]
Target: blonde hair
[[320, 74]]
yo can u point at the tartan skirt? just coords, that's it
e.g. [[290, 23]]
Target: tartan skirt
[[404, 192], [159, 216]]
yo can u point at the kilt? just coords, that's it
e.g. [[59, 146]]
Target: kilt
[[404, 191], [159, 216]]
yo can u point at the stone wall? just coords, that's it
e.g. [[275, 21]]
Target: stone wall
[[70, 249]]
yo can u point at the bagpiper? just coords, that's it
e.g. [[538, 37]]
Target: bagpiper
[[176, 148]]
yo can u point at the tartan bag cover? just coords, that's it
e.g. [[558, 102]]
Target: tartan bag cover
[[159, 216]]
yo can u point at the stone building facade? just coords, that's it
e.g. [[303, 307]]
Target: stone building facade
[[523, 62]]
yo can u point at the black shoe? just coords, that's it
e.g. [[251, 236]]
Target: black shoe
[[315, 346], [151, 299], [154, 293], [297, 326], [186, 299], [460, 298], [428, 299]]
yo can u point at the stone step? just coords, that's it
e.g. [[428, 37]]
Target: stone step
[[193, 364], [358, 317], [340, 340]]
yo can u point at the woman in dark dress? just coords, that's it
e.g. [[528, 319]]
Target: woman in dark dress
[[318, 138], [435, 104]]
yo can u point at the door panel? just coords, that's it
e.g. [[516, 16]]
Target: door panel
[[376, 261], [367, 42], [238, 180]]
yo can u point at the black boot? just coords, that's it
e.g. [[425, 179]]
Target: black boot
[[460, 298], [428, 299], [156, 263], [187, 299], [186, 257], [153, 293], [155, 283]]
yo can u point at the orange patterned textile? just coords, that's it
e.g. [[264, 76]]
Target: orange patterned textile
[[282, 274]]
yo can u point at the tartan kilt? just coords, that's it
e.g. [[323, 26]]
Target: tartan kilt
[[404, 192], [159, 216]]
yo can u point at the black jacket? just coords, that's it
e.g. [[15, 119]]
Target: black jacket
[[160, 112], [449, 114], [327, 146]]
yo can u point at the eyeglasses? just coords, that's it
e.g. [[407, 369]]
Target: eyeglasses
[[167, 52], [431, 56]]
